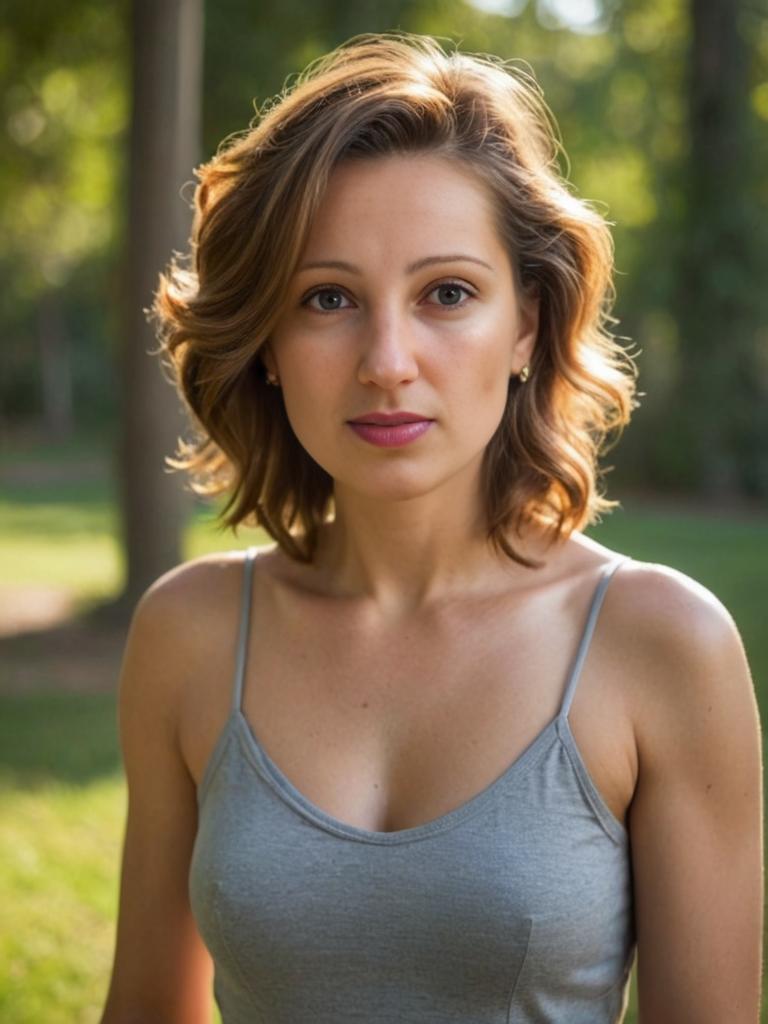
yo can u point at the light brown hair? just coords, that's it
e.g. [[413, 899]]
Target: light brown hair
[[255, 202]]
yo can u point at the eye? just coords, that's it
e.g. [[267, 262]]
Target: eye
[[450, 291], [330, 298], [325, 294]]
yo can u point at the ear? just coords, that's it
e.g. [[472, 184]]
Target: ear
[[529, 304], [268, 358]]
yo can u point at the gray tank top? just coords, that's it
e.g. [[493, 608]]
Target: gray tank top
[[514, 908]]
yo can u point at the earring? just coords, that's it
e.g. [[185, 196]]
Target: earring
[[525, 373], [272, 379]]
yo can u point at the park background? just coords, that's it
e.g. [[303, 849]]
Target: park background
[[107, 107]]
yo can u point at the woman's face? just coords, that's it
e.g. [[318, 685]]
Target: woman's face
[[404, 301]]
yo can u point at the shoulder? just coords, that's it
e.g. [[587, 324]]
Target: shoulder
[[683, 653], [676, 608], [695, 817], [201, 589], [184, 621], [672, 616], [198, 582], [657, 614]]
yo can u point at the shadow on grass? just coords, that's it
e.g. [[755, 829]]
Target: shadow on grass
[[78, 654], [68, 738]]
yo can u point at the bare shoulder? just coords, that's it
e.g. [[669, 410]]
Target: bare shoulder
[[661, 620], [685, 656], [199, 582], [696, 814], [196, 593], [184, 620], [677, 609]]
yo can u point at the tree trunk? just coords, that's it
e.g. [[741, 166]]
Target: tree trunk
[[717, 283], [55, 367], [164, 148]]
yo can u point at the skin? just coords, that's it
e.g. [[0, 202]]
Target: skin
[[431, 663], [408, 520]]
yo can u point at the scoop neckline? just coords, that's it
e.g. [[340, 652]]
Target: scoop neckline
[[291, 795], [260, 760]]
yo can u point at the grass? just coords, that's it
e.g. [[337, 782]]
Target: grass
[[62, 796], [62, 805]]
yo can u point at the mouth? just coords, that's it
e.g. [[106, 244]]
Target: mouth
[[395, 419], [393, 433]]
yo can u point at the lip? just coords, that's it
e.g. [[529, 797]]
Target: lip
[[394, 435], [388, 419]]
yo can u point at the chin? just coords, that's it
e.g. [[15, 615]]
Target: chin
[[397, 483], [393, 492]]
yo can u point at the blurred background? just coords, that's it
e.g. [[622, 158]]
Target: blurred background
[[106, 108]]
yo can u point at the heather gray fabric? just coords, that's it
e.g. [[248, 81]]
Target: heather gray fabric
[[514, 908]]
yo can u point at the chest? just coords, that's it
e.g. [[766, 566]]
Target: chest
[[386, 729], [522, 903], [480, 919]]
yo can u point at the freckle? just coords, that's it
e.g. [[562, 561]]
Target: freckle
[[364, 704], [709, 708], [709, 786]]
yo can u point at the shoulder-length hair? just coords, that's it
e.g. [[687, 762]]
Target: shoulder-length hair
[[379, 94]]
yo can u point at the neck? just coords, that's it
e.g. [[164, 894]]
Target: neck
[[405, 556]]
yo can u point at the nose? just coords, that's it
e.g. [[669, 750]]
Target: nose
[[388, 355]]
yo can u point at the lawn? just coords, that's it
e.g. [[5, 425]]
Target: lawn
[[62, 798]]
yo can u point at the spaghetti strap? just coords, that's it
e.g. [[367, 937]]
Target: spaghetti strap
[[589, 628], [245, 619]]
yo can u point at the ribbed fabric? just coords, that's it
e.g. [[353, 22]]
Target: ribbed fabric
[[515, 908]]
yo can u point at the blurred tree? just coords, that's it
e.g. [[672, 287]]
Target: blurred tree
[[55, 366], [719, 409], [164, 146], [613, 71], [63, 109]]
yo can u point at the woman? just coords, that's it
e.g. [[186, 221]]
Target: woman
[[435, 755]]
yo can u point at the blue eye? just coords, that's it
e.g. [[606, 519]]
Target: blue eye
[[452, 288], [331, 298], [334, 292]]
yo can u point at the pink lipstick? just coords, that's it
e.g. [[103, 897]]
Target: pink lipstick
[[390, 430]]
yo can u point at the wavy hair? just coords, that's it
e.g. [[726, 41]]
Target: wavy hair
[[379, 94]]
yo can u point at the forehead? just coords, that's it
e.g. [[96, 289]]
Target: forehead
[[402, 199]]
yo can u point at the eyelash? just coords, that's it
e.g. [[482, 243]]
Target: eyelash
[[333, 288]]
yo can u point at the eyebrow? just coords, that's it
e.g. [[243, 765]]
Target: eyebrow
[[410, 269]]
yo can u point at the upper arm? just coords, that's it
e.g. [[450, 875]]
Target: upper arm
[[696, 816], [161, 971]]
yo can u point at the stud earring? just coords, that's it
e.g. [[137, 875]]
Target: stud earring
[[525, 373], [272, 379]]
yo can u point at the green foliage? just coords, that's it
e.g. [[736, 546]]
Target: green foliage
[[64, 82], [620, 96], [66, 111]]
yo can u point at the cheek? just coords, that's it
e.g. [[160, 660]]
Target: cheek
[[483, 354], [313, 397], [307, 407], [479, 397], [487, 397], [308, 372], [494, 401], [491, 374], [493, 382]]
